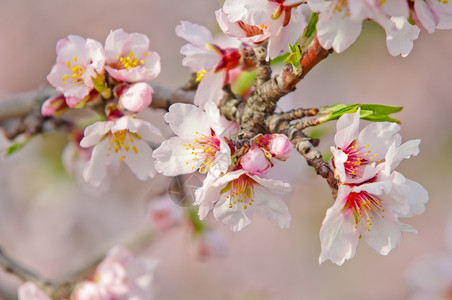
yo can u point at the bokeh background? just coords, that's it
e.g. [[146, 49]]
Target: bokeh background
[[52, 226]]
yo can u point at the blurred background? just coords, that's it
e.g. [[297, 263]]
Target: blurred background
[[55, 228]]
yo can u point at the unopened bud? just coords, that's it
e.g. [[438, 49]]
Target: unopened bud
[[255, 161], [136, 97]]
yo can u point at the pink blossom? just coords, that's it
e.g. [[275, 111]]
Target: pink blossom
[[128, 57], [30, 291], [356, 149], [235, 196], [211, 61], [78, 62], [119, 140], [340, 23], [201, 141], [255, 161], [119, 276], [370, 208], [135, 97], [430, 14], [54, 106], [278, 145], [254, 21]]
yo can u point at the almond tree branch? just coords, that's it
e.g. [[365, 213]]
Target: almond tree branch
[[20, 105]]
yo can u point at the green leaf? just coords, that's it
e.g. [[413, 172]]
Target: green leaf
[[310, 29], [370, 112], [16, 146], [294, 57], [279, 59], [244, 82]]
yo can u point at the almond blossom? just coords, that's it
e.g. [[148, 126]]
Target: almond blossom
[[128, 57], [340, 23], [369, 208], [235, 196], [254, 21], [356, 149], [122, 139], [201, 141], [211, 62], [79, 61], [430, 14], [119, 276]]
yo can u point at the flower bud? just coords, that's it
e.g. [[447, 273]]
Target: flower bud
[[136, 97], [255, 161], [54, 106], [278, 145]]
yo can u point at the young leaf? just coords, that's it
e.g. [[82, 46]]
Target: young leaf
[[370, 112], [294, 57], [310, 29]]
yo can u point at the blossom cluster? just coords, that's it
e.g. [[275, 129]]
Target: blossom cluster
[[114, 76], [234, 187], [119, 276], [372, 196], [339, 24]]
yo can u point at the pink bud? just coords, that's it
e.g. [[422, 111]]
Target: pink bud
[[137, 97], [278, 145], [54, 106], [255, 161]]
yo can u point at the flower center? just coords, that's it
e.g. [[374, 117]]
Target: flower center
[[77, 72], [130, 61], [339, 6], [358, 157], [252, 30], [364, 205], [241, 192], [123, 140], [203, 149]]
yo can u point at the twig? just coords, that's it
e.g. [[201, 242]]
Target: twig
[[20, 105]]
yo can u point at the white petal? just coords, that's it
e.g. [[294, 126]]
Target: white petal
[[187, 121], [282, 36], [94, 133], [271, 206], [198, 58], [337, 31], [339, 159], [253, 12], [210, 88], [347, 128], [273, 185], [396, 154], [222, 159], [172, 158], [95, 169], [384, 234], [379, 136], [140, 162], [338, 235], [194, 33], [236, 217]]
